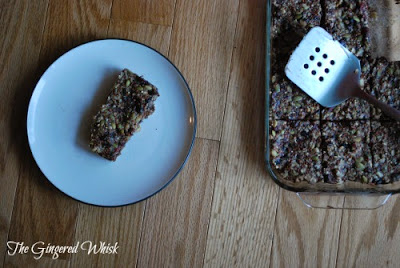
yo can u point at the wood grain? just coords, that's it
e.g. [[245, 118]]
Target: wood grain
[[223, 210], [155, 36], [71, 23], [245, 198], [125, 222], [201, 47], [370, 238], [303, 236], [41, 213], [20, 46], [37, 214], [176, 219], [94, 225], [29, 261], [147, 11]]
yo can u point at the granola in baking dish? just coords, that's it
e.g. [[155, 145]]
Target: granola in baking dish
[[130, 101], [385, 79], [353, 141], [385, 141], [295, 149], [346, 151], [289, 102], [347, 21], [291, 21]]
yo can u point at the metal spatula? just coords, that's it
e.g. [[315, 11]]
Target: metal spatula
[[329, 72]]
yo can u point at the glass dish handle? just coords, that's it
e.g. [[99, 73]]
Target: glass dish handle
[[343, 201]]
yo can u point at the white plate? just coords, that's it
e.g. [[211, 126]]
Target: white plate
[[64, 102]]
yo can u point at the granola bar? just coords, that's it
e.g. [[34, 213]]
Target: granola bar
[[385, 144], [130, 101], [347, 21], [289, 102], [295, 149], [385, 80], [346, 151]]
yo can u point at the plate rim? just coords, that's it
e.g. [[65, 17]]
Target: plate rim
[[189, 92]]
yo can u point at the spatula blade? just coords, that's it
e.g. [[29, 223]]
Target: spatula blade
[[323, 68]]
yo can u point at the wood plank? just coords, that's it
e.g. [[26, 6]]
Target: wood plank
[[370, 238], [120, 225], [71, 23], [20, 46], [147, 11], [176, 219], [29, 261], [124, 224], [37, 213], [155, 36], [245, 198], [41, 213], [201, 47], [306, 237]]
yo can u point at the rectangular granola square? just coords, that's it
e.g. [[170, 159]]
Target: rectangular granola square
[[385, 82], [346, 152], [130, 101], [347, 21], [385, 144], [289, 102], [295, 150]]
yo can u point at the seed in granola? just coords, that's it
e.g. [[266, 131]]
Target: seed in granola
[[298, 98], [364, 179], [360, 166], [296, 104]]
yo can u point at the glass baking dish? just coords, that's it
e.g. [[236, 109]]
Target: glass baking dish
[[380, 192]]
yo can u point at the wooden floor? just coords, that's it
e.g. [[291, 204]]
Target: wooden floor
[[223, 210]]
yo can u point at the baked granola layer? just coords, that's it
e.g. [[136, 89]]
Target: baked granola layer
[[130, 101], [347, 21], [346, 151], [385, 141], [385, 80], [290, 22], [295, 149], [289, 102]]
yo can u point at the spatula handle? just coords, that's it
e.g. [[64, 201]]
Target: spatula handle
[[388, 110]]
